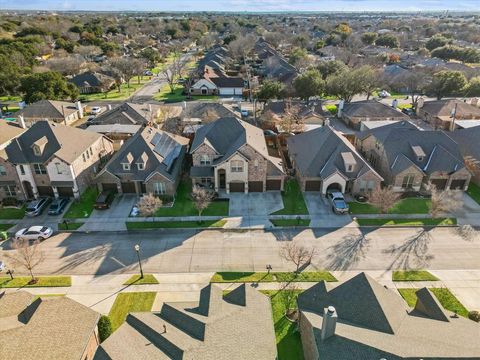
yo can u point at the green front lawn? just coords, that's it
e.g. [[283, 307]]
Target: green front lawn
[[444, 296], [134, 225], [413, 275], [184, 206], [82, 208], [148, 279], [241, 277], [290, 222], [42, 281], [114, 94], [404, 206], [407, 222], [165, 94], [12, 213], [5, 227], [293, 201], [332, 109], [474, 192], [289, 343], [130, 302], [69, 226]]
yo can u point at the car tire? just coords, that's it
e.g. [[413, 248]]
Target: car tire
[[41, 238]]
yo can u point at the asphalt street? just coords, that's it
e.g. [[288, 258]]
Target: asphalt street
[[183, 251]]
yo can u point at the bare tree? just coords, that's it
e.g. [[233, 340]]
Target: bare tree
[[88, 52], [27, 255], [384, 199], [467, 232], [149, 204], [174, 71], [241, 46], [297, 254], [128, 67], [444, 201], [201, 198], [291, 121]]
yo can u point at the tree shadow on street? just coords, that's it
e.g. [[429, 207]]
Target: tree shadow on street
[[413, 253], [348, 252]]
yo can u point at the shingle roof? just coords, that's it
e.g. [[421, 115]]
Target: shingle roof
[[127, 113], [226, 82], [8, 132], [444, 108], [164, 153], [48, 109], [372, 109], [375, 322], [65, 142], [305, 108], [92, 79], [51, 328], [443, 153], [237, 326], [318, 153], [206, 111], [467, 140]]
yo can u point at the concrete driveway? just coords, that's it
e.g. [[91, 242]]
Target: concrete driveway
[[113, 218], [321, 212], [255, 204]]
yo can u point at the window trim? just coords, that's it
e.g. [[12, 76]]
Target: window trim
[[4, 171], [126, 167], [40, 169], [8, 190], [205, 160], [234, 166], [159, 188]]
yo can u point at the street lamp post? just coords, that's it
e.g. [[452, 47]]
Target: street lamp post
[[137, 249]]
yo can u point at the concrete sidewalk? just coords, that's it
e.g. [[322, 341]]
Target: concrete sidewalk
[[99, 292]]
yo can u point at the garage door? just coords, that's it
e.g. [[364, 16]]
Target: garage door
[[458, 184], [128, 188], [65, 191], [313, 185], [255, 186], [274, 185], [439, 184], [237, 187], [45, 190], [109, 187]]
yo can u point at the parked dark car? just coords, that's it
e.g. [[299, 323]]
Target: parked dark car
[[408, 111], [339, 205], [36, 207], [57, 206], [104, 199]]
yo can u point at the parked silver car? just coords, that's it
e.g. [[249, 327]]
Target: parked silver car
[[339, 205], [34, 233]]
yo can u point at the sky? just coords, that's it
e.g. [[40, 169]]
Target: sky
[[242, 5]]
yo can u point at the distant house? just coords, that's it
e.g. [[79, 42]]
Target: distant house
[[441, 113], [92, 82], [61, 112], [205, 112], [354, 113], [46, 328], [232, 155], [128, 114], [149, 162], [310, 113], [361, 319], [57, 160], [218, 83], [273, 65], [324, 160], [467, 140], [9, 181], [235, 326], [408, 158]]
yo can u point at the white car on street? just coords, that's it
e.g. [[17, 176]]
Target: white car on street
[[34, 233], [96, 110]]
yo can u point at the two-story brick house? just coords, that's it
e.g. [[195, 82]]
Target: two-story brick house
[[409, 159], [151, 161], [57, 160], [231, 155], [325, 160], [9, 182]]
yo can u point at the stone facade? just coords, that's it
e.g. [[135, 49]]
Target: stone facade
[[309, 344], [92, 346], [10, 182]]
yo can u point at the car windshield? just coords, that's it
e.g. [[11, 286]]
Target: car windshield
[[31, 207], [54, 205], [43, 229], [340, 204]]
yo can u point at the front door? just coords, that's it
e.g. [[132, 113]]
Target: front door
[[27, 187], [222, 178]]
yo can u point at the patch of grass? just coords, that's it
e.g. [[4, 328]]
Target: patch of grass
[[474, 192], [413, 275], [293, 201], [69, 226], [130, 302], [82, 208], [114, 94], [444, 296], [289, 344], [148, 279], [404, 206], [133, 225], [405, 106], [362, 208], [12, 213], [184, 206], [407, 222], [332, 109], [165, 94], [42, 281], [5, 227], [290, 222], [241, 277]]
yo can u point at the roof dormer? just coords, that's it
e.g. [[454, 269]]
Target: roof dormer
[[142, 161], [418, 152], [39, 146], [348, 161], [127, 161]]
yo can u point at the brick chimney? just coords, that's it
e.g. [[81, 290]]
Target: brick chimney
[[329, 322]]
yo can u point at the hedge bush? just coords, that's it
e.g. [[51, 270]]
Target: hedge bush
[[104, 328]]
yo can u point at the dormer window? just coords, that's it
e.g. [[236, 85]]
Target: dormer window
[[39, 146], [126, 167], [419, 153], [36, 150], [349, 168], [141, 166], [348, 161]]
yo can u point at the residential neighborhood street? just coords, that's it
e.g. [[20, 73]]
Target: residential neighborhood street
[[183, 251]]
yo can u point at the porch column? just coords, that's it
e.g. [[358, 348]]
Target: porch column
[[138, 188], [76, 190], [55, 192], [216, 180]]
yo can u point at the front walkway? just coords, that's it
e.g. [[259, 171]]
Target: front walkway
[[99, 292]]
